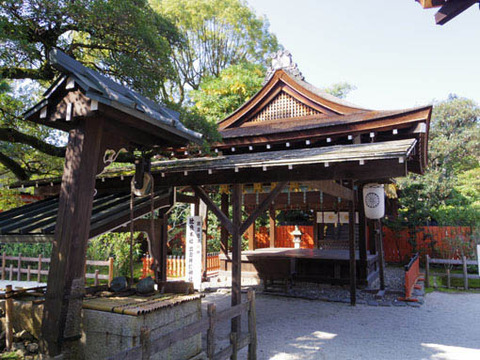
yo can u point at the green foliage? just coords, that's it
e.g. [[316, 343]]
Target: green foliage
[[220, 95], [27, 250], [217, 34], [116, 245], [449, 191], [340, 90], [124, 38]]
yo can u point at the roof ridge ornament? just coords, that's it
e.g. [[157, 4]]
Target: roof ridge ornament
[[282, 59]]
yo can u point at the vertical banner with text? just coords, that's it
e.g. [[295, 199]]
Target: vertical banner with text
[[193, 251]]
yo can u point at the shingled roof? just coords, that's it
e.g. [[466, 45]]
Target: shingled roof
[[97, 87]]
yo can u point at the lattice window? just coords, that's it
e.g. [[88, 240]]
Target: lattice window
[[284, 106]]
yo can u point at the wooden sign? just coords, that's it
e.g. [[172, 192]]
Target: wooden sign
[[193, 251], [331, 217]]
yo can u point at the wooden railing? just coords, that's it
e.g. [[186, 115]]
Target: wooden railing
[[450, 263], [412, 275], [37, 270], [176, 265], [148, 347]]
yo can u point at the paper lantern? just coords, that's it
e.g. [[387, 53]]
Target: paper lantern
[[374, 201]]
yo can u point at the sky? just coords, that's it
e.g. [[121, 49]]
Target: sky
[[391, 51]]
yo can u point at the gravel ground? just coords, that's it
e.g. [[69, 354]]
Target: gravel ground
[[445, 327]]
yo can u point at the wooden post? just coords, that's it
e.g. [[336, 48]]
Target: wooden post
[[223, 231], [234, 343], [427, 271], [448, 278], [145, 343], [353, 261], [372, 242], [315, 230], [8, 317], [236, 253], [465, 273], [252, 325], [10, 276], [381, 257], [29, 269], [110, 271], [4, 264], [272, 226], [362, 235], [66, 279], [39, 268], [19, 267], [211, 312], [95, 282], [251, 236]]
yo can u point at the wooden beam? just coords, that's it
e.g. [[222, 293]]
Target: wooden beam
[[272, 226], [371, 170], [332, 188], [223, 230], [236, 254], [451, 9], [381, 256], [263, 206], [353, 262], [362, 234], [200, 192], [61, 328]]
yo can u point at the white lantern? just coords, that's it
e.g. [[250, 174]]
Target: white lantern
[[374, 201]]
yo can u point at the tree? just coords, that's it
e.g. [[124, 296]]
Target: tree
[[340, 90], [448, 191], [220, 95], [217, 34], [125, 39]]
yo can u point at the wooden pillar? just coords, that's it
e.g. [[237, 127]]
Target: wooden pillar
[[362, 235], [223, 231], [236, 253], [381, 257], [371, 236], [66, 279], [272, 226], [163, 246], [315, 230], [251, 236], [351, 237]]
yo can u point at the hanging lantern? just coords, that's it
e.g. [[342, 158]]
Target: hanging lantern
[[374, 201]]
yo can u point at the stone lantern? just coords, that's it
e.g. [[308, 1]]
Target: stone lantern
[[297, 237]]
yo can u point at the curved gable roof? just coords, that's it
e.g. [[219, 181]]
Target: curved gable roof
[[320, 102]]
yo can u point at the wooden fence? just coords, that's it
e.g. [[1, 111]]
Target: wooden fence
[[449, 263], [283, 238], [176, 265], [412, 275], [148, 348], [38, 269], [400, 245]]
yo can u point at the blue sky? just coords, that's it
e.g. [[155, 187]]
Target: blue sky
[[391, 50]]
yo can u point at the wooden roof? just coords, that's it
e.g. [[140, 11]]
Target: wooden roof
[[82, 92], [448, 8], [290, 113], [36, 222]]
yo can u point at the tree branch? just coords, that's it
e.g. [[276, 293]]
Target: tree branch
[[14, 167], [15, 136]]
